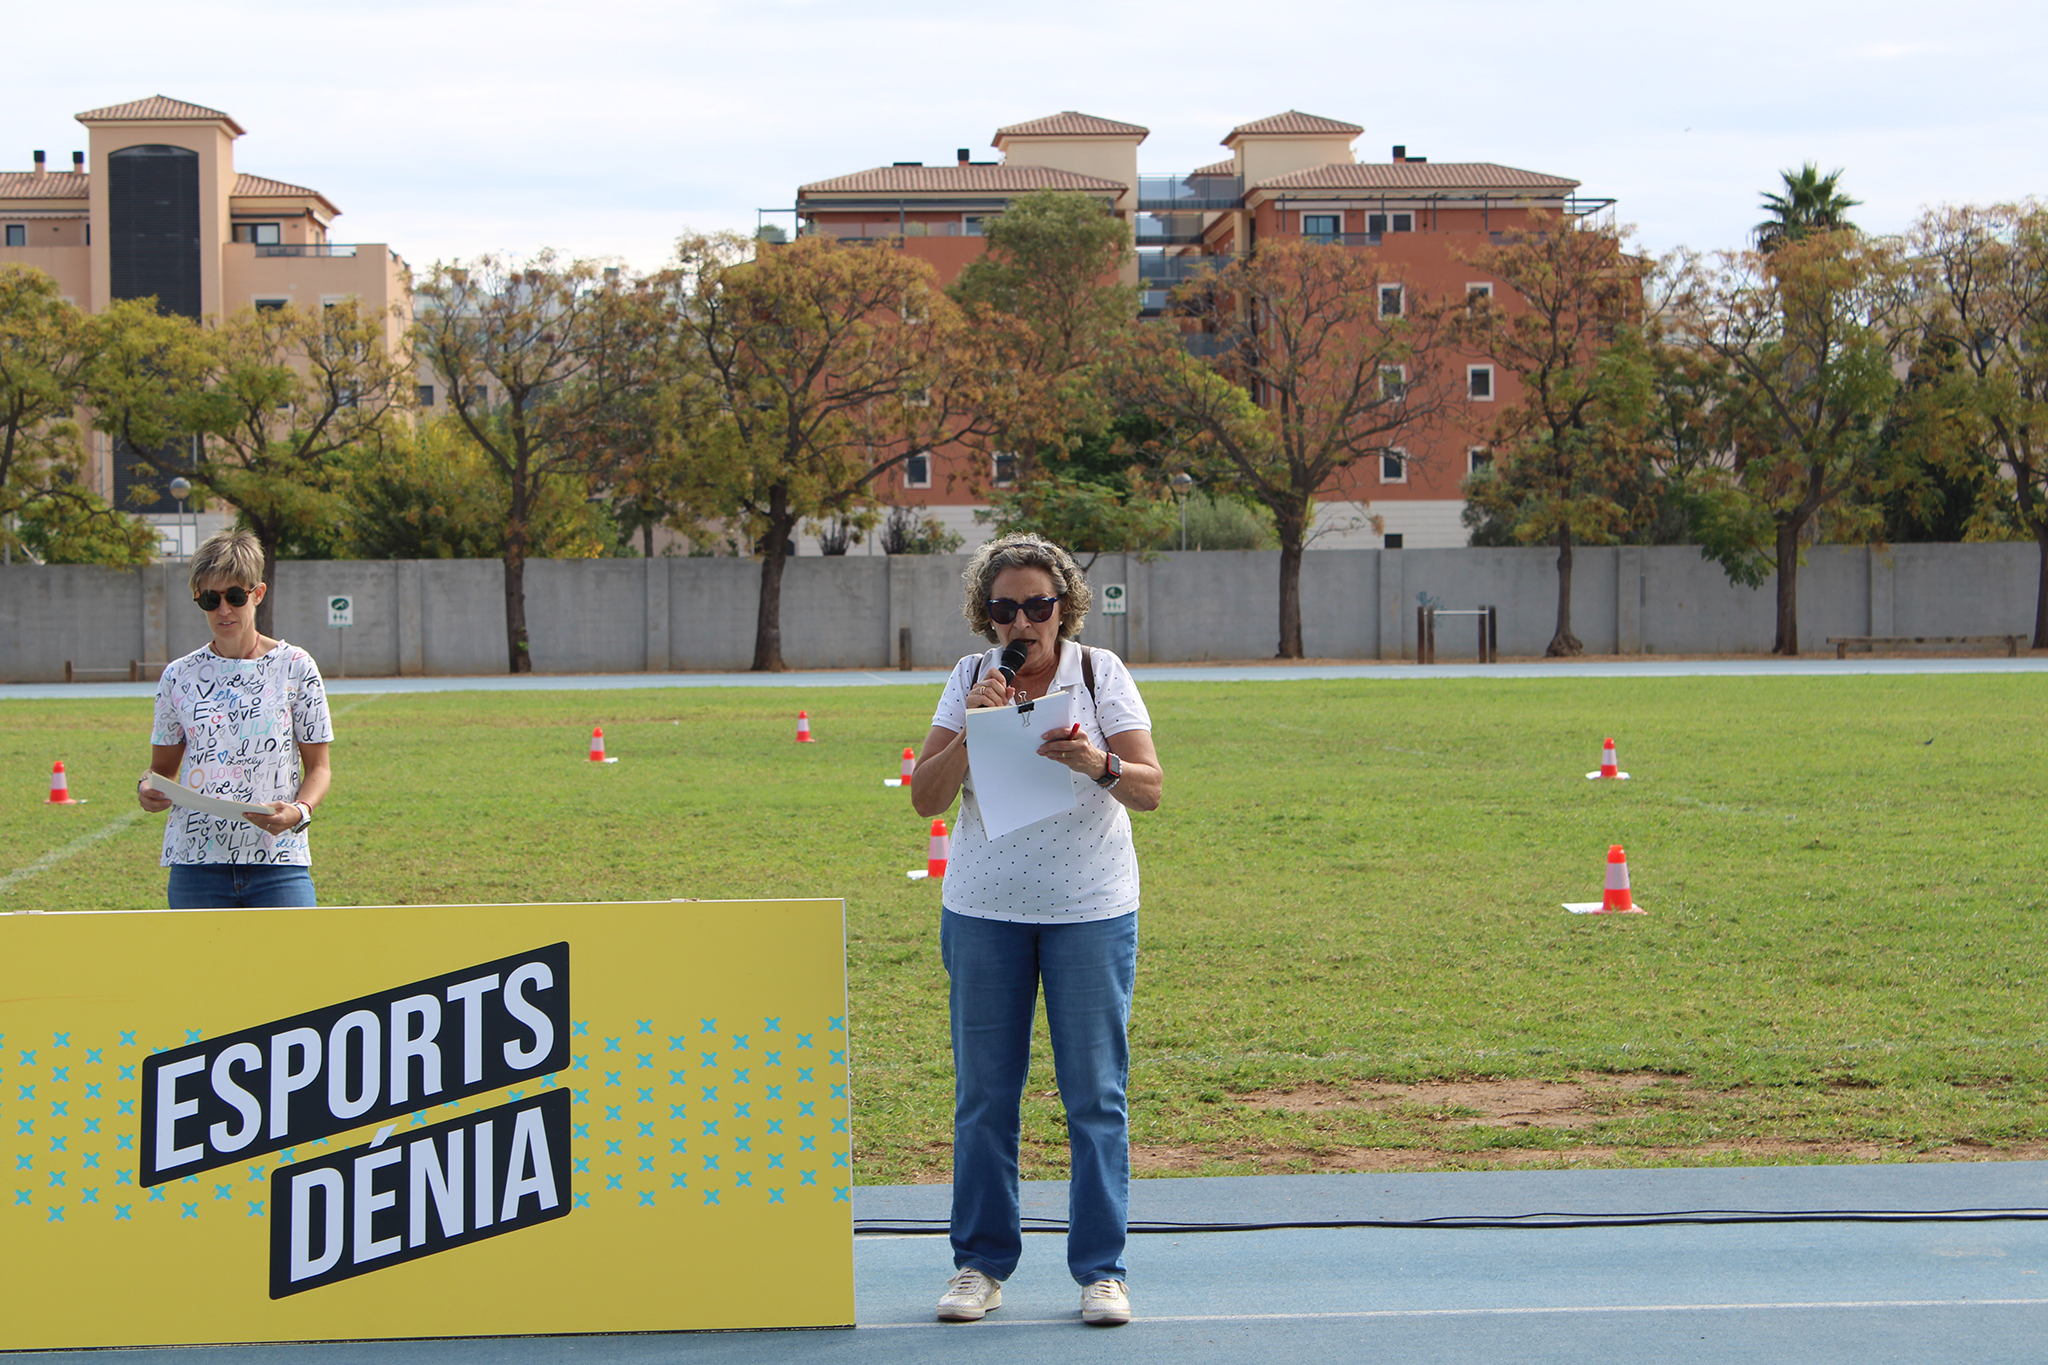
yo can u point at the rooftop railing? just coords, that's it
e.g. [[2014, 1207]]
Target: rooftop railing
[[307, 249], [1166, 271]]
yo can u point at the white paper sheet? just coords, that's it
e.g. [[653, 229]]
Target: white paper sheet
[[1013, 785], [182, 795]]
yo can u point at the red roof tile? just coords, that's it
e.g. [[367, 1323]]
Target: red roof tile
[[1293, 121], [1219, 168], [257, 187], [157, 109], [1418, 175], [1071, 123], [49, 185], [960, 180]]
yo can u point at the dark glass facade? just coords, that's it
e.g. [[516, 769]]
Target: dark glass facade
[[152, 252]]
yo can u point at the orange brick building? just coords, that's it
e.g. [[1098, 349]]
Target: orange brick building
[[1291, 175]]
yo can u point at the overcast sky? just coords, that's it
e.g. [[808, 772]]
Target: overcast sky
[[609, 127]]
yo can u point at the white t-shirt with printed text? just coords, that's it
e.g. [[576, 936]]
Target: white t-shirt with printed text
[[1075, 866], [241, 722]]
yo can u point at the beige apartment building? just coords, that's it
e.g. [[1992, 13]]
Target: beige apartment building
[[155, 208]]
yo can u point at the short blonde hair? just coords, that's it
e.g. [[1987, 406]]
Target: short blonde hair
[[1023, 550], [234, 555]]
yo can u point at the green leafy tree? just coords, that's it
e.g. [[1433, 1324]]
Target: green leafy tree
[[1569, 456], [832, 365], [1343, 377], [1983, 305], [1809, 334], [268, 402], [538, 358], [46, 349], [1809, 202], [1047, 299]]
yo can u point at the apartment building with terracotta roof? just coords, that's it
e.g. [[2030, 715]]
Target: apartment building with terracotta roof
[[1293, 175], [154, 207]]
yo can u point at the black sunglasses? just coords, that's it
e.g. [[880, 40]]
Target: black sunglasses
[[208, 600], [1037, 610]]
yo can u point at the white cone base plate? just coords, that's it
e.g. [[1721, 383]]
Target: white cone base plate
[[67, 801], [1599, 908], [918, 875], [604, 760], [1595, 777], [892, 781]]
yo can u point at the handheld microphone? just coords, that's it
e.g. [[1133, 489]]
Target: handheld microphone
[[1014, 655]]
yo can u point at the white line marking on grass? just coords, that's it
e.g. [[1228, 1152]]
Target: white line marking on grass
[[1550, 1311], [72, 849]]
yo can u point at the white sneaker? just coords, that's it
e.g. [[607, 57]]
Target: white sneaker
[[968, 1297], [1105, 1304]]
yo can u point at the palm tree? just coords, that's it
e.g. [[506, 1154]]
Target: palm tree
[[1811, 202]]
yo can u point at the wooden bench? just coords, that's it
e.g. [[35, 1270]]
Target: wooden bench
[[136, 671], [1842, 642]]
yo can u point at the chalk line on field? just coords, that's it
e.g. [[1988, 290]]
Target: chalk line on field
[[72, 849]]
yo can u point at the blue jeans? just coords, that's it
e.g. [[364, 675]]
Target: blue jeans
[[240, 886], [995, 967]]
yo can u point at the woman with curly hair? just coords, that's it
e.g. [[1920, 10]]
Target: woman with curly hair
[[1053, 904]]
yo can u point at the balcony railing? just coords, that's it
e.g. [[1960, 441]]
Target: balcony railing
[[1167, 271], [1186, 193], [1343, 238], [1169, 229], [307, 249]]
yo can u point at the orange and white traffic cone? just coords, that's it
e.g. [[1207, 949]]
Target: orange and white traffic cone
[[803, 727], [60, 789], [909, 767], [937, 853], [1617, 899], [597, 747], [1609, 765]]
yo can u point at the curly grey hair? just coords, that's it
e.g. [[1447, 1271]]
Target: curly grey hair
[[1023, 550]]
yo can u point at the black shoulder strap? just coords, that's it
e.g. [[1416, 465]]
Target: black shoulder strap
[[1088, 672], [979, 660]]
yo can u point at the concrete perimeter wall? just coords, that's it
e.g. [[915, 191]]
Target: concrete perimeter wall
[[447, 617]]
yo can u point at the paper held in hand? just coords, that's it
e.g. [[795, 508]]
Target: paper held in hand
[[182, 795], [1013, 785]]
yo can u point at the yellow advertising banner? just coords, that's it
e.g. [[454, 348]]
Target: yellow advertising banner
[[422, 1121]]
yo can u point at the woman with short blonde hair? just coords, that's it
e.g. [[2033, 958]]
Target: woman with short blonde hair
[[244, 719]]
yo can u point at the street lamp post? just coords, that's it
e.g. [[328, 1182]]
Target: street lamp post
[[1181, 483], [181, 489]]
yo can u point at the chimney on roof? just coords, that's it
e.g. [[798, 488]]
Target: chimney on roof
[[78, 163], [1400, 153], [41, 159], [962, 154]]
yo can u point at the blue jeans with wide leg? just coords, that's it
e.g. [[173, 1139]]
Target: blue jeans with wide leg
[[996, 968], [240, 886]]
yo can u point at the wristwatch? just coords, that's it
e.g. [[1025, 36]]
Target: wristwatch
[[305, 818], [1112, 773]]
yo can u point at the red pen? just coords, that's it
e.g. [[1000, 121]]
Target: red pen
[[1075, 733]]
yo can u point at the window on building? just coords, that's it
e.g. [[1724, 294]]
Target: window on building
[[1393, 381], [1005, 472], [1477, 458], [917, 471], [425, 393], [1391, 299], [272, 305], [479, 396], [1327, 226], [259, 234], [17, 234], [1394, 466], [1479, 383], [1477, 293], [917, 398], [971, 225], [1390, 222]]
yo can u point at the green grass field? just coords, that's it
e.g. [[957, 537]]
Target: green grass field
[[1354, 955]]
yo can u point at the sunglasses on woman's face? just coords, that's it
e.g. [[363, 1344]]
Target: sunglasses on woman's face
[[1037, 610], [209, 600]]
